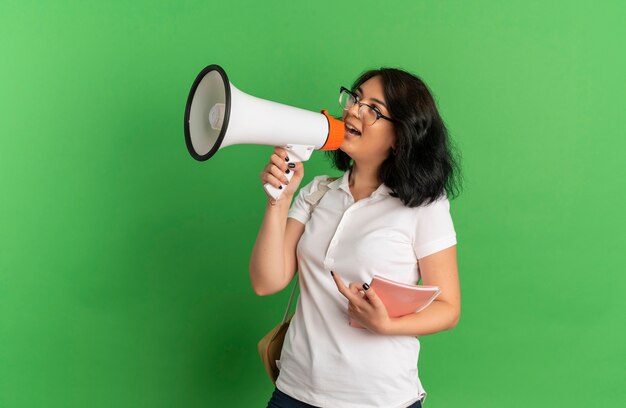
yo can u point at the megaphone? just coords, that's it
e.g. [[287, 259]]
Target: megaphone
[[218, 115]]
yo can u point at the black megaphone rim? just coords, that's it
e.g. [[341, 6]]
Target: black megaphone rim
[[192, 92]]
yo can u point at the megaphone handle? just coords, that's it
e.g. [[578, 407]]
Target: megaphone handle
[[276, 192], [297, 153]]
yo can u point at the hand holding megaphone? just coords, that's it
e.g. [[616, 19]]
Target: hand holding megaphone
[[281, 174], [218, 115], [292, 154]]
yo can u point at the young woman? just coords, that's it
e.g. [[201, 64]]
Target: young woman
[[388, 215]]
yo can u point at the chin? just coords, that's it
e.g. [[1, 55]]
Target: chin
[[348, 151], [343, 149], [346, 147]]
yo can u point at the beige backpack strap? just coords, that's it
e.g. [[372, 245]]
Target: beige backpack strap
[[315, 197]]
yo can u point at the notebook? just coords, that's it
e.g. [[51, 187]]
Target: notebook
[[400, 298]]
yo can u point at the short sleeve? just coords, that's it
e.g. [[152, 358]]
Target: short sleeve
[[434, 230], [300, 208]]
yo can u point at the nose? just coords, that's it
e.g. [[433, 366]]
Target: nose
[[354, 110]]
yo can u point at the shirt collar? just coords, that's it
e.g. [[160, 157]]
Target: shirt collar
[[343, 183]]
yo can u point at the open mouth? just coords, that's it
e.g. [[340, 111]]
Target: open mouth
[[352, 131]]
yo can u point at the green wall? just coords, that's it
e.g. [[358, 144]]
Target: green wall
[[123, 262]]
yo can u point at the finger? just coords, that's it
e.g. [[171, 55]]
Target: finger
[[359, 308], [266, 169], [298, 170], [343, 289], [357, 289], [296, 166], [354, 308], [279, 174], [282, 152], [268, 178], [351, 310], [372, 296], [279, 162]]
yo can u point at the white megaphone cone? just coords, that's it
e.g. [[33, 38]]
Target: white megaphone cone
[[219, 115]]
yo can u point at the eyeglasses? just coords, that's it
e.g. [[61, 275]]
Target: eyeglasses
[[367, 113]]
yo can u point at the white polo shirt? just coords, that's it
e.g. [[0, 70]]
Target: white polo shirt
[[325, 362]]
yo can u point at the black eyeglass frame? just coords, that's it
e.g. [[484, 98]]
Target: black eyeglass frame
[[374, 108]]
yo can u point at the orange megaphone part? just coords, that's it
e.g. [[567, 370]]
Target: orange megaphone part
[[336, 132]]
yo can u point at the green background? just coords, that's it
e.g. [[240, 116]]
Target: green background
[[123, 262]]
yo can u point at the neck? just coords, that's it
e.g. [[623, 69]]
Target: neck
[[364, 177]]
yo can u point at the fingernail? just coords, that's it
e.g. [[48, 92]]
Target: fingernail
[[287, 171], [332, 273], [366, 286], [280, 187], [292, 165], [286, 158]]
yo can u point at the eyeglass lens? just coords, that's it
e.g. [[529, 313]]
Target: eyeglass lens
[[346, 100], [366, 114]]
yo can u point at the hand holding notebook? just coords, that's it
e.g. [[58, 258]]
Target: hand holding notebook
[[401, 299]]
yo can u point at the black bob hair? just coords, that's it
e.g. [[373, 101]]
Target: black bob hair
[[423, 166]]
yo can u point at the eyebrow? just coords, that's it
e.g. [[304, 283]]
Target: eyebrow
[[374, 99]]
